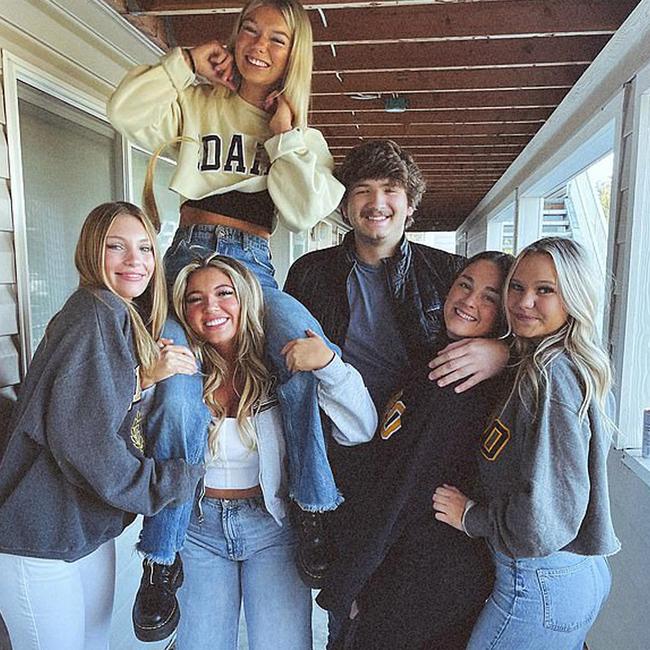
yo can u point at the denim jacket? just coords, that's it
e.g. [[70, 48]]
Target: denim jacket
[[345, 400], [418, 277]]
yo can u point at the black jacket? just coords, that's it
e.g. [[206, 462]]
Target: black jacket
[[419, 583], [419, 278]]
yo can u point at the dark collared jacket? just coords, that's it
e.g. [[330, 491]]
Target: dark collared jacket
[[419, 278]]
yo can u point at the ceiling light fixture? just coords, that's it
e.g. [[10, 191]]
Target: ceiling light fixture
[[396, 104]]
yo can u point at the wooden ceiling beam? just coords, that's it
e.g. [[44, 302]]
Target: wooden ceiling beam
[[386, 21], [402, 80], [424, 116], [531, 97], [466, 20], [432, 130], [459, 54]]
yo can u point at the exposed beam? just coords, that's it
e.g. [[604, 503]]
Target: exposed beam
[[402, 80], [434, 131], [460, 54], [532, 97]]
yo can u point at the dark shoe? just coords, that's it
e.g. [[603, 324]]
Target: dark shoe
[[155, 611], [312, 558]]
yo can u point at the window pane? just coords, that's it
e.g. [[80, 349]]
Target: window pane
[[68, 168], [168, 202]]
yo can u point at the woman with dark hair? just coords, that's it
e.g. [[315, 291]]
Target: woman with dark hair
[[403, 581]]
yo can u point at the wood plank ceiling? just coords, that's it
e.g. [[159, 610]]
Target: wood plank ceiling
[[479, 77]]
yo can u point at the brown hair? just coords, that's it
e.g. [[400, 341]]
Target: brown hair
[[379, 159]]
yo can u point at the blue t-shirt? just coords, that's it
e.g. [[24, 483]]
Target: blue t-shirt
[[373, 344]]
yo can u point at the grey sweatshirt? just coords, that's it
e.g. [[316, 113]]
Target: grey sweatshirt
[[73, 474], [545, 478]]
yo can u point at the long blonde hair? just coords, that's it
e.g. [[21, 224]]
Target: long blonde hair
[[249, 374], [89, 259], [578, 337], [296, 84]]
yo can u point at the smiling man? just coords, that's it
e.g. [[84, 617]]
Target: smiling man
[[380, 297]]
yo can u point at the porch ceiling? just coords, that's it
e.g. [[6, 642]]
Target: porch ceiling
[[480, 76]]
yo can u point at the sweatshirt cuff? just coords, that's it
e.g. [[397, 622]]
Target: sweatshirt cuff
[[475, 520], [284, 143], [335, 372], [177, 69]]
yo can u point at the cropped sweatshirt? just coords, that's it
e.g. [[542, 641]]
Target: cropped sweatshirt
[[228, 143], [545, 476], [73, 474]]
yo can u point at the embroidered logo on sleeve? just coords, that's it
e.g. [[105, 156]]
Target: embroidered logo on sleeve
[[392, 420], [136, 432], [494, 440]]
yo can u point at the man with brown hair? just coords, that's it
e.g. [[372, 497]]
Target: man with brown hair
[[379, 297]]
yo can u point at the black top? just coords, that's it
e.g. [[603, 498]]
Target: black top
[[416, 577], [253, 207]]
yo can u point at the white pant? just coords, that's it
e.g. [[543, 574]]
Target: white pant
[[57, 605]]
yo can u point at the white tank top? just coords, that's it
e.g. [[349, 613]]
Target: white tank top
[[235, 467]]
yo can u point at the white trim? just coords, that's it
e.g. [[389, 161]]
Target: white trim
[[10, 70], [17, 70]]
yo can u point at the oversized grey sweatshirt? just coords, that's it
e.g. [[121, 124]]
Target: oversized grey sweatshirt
[[545, 477], [73, 474]]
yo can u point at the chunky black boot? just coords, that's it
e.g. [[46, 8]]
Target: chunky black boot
[[312, 558], [155, 611]]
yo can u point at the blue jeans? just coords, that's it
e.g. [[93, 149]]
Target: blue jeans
[[235, 551], [542, 603], [177, 424]]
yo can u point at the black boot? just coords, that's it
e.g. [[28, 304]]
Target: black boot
[[313, 560], [155, 611]]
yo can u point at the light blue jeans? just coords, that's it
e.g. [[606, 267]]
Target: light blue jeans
[[177, 423], [545, 603], [235, 551]]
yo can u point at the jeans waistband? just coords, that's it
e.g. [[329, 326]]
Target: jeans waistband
[[205, 232], [234, 503], [553, 561]]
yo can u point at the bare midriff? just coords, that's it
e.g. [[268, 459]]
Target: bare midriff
[[193, 216], [248, 493]]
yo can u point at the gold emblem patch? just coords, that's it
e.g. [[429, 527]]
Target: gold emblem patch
[[137, 438], [392, 420], [494, 440]]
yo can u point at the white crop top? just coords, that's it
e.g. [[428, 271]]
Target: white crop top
[[235, 467]]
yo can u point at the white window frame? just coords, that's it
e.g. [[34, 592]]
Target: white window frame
[[16, 70]]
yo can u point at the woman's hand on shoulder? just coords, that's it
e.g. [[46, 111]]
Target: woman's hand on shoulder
[[282, 120], [173, 360], [449, 505], [214, 62], [307, 354]]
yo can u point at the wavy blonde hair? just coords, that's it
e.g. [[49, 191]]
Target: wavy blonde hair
[[296, 84], [149, 311], [578, 337], [249, 373]]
